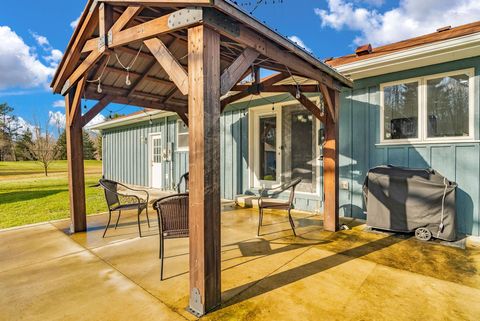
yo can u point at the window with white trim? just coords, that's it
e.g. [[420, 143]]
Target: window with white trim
[[436, 107], [182, 136]]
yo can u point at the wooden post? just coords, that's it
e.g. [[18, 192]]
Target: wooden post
[[204, 130], [330, 165], [76, 179]]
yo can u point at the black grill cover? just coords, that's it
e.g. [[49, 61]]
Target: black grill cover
[[402, 200]]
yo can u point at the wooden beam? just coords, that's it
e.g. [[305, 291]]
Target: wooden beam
[[82, 70], [73, 54], [95, 110], [76, 179], [169, 63], [105, 22], [330, 167], [328, 101], [184, 117], [162, 3], [309, 105], [127, 16], [279, 88], [151, 29], [74, 107], [237, 69], [204, 203], [268, 48], [268, 81]]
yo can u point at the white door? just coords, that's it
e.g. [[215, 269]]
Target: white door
[[267, 148], [156, 161]]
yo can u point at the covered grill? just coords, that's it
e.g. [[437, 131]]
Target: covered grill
[[407, 200]]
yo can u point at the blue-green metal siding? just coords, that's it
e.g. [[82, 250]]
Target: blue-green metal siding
[[360, 149], [125, 153]]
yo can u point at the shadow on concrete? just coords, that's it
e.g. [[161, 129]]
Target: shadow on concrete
[[278, 280]]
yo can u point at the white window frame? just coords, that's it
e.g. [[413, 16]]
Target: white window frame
[[181, 149], [419, 113], [422, 109]]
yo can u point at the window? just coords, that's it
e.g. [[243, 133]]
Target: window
[[447, 106], [428, 108], [268, 148], [182, 136], [401, 111]]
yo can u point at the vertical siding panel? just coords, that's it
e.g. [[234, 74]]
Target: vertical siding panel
[[228, 156], [244, 151], [467, 169], [222, 155], [345, 151], [443, 160], [236, 143]]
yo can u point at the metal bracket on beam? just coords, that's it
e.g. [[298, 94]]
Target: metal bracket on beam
[[110, 38], [196, 307], [220, 21], [185, 17], [101, 43], [65, 87]]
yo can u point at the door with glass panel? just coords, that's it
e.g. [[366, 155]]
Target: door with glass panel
[[156, 161], [266, 149], [301, 151]]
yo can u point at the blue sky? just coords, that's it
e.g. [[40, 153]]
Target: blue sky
[[34, 39]]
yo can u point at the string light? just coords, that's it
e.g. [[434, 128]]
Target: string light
[[129, 67], [99, 79]]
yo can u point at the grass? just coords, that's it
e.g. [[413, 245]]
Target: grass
[[27, 196]]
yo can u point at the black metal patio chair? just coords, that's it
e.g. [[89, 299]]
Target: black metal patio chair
[[172, 213], [114, 202], [268, 200], [184, 178]]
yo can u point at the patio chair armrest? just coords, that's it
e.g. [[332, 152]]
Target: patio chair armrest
[[136, 190]]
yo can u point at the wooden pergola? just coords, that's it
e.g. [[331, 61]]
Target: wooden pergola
[[185, 56]]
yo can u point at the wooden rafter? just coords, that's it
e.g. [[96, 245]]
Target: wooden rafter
[[73, 54], [328, 101], [279, 88], [95, 55], [145, 30], [237, 69], [95, 110], [183, 117], [169, 63], [309, 105]]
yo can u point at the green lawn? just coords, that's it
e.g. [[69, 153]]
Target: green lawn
[[27, 196]]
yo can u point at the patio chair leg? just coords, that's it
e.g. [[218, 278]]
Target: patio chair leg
[[146, 212], [118, 219], [138, 220], [292, 224], [162, 255], [260, 220], [108, 224]]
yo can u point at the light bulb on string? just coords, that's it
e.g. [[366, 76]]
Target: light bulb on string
[[298, 94], [99, 88], [127, 80]]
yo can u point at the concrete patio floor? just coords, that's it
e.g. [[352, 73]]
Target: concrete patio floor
[[46, 274]]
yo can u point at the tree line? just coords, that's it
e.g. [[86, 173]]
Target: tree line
[[37, 142]]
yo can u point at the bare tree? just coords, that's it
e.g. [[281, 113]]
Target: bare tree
[[43, 146]]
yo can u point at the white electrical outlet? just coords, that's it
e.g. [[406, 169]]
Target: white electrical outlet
[[344, 185]]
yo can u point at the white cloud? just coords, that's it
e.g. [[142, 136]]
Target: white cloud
[[57, 119], [41, 40], [299, 42], [54, 57], [59, 103], [24, 126], [19, 63], [97, 120], [75, 22], [411, 18]]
